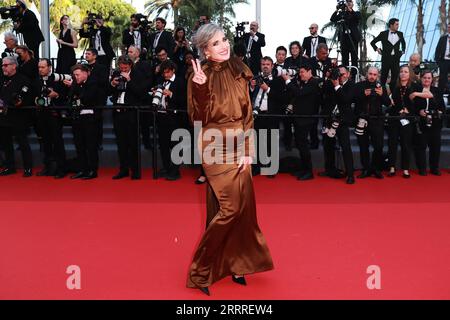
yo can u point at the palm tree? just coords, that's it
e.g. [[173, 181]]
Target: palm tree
[[443, 16], [171, 8]]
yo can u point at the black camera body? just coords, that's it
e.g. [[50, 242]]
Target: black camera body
[[372, 88], [335, 73], [240, 29], [122, 85], [158, 96], [260, 79], [341, 5], [11, 12]]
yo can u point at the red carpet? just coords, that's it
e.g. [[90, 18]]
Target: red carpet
[[134, 239]]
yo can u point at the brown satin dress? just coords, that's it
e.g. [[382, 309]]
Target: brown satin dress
[[232, 242]]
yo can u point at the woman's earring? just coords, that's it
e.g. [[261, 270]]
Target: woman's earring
[[207, 56]]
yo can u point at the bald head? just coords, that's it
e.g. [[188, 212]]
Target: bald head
[[254, 26], [372, 74], [314, 29]]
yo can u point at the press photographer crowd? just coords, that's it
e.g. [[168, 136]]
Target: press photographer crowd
[[313, 99]]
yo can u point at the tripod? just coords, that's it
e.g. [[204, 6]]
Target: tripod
[[343, 34]]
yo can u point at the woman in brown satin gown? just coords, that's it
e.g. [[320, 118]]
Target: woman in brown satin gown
[[218, 96]]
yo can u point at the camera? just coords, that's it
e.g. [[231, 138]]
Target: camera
[[260, 79], [341, 5], [432, 115], [10, 13], [19, 97], [144, 24], [289, 109], [291, 71], [59, 77], [158, 97], [91, 25], [240, 29], [361, 125], [331, 129], [374, 86], [122, 85], [43, 100]]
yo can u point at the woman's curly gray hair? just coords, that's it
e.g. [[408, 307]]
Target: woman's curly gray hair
[[202, 37]]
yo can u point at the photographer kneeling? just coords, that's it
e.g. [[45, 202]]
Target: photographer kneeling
[[339, 90], [128, 86]]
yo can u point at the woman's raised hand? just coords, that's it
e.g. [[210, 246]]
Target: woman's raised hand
[[199, 76]]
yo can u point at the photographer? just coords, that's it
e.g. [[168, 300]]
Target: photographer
[[280, 55], [394, 47], [15, 93], [161, 56], [349, 34], [311, 42], [339, 94], [161, 38], [83, 96], [28, 26], [136, 34], [181, 48], [370, 98], [48, 92], [128, 86], [254, 41], [304, 93], [93, 27], [442, 57], [429, 106], [268, 97], [11, 43], [28, 64], [171, 96], [99, 74], [415, 63]]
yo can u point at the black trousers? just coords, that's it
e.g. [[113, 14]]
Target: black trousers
[[287, 133], [85, 138], [329, 148], [51, 126], [403, 134], [301, 131], [166, 124], [98, 114], [444, 68], [125, 129], [431, 139], [373, 135], [390, 64], [7, 133], [347, 52], [265, 145]]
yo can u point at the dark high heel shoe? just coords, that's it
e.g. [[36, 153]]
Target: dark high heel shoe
[[205, 290], [239, 280]]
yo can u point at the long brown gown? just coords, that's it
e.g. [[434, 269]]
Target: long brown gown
[[232, 242]]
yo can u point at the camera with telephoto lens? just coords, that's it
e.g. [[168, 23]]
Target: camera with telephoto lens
[[240, 29], [331, 129], [158, 96], [291, 71], [59, 77], [91, 25], [361, 125], [122, 85]]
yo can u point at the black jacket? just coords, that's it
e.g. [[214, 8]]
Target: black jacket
[[105, 35], [306, 99], [128, 39], [29, 27], [29, 69], [165, 40], [386, 53], [319, 69], [135, 89], [11, 88], [292, 62], [351, 23], [100, 74], [178, 100], [276, 98], [255, 50], [441, 48], [307, 44], [436, 103], [372, 104], [342, 98]]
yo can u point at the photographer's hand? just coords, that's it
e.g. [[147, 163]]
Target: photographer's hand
[[126, 76], [53, 94], [423, 113], [199, 76], [114, 82], [264, 86], [285, 77], [68, 83], [379, 91]]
